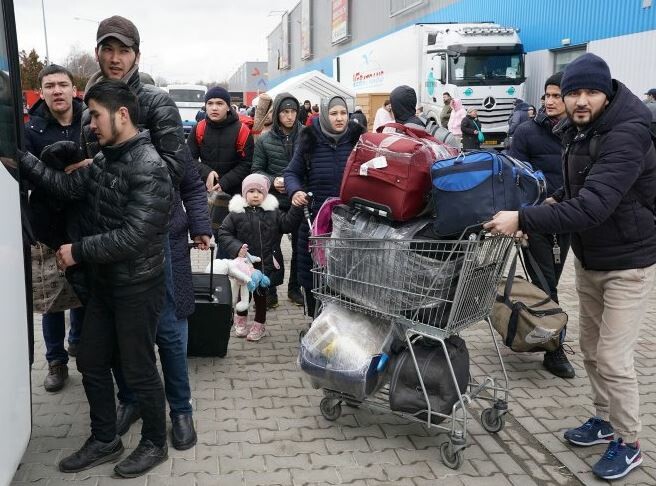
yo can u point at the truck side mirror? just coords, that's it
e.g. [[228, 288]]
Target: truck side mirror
[[443, 70]]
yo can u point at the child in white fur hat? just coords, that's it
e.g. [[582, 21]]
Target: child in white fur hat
[[256, 225]]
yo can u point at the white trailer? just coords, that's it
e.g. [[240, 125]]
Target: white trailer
[[480, 63]]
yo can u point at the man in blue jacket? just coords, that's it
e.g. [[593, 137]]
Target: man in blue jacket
[[535, 142], [607, 203]]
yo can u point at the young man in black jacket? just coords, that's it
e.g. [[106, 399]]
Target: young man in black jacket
[[55, 117], [127, 192], [535, 142], [607, 204], [272, 154]]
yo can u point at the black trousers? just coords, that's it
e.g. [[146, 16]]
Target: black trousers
[[293, 266], [121, 328]]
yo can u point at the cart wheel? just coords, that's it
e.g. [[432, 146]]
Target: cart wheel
[[492, 421], [329, 411], [301, 335], [451, 459]]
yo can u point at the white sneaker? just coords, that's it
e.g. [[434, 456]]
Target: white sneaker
[[241, 326], [257, 332]]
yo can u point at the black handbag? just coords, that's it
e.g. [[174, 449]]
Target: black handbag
[[405, 392]]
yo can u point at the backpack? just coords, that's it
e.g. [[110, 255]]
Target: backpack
[[240, 142]]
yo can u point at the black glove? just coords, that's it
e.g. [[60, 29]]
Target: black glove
[[61, 154]]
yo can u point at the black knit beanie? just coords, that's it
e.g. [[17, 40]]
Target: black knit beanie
[[587, 72], [217, 92], [554, 79]]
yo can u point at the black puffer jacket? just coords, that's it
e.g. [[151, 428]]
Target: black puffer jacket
[[535, 142], [601, 202], [127, 193], [218, 152], [160, 116], [274, 150], [49, 216], [260, 227]]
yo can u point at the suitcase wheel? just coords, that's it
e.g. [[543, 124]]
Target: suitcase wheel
[[331, 409]]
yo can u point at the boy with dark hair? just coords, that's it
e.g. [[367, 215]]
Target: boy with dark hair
[[127, 192]]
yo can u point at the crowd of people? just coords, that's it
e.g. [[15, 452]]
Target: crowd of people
[[133, 193]]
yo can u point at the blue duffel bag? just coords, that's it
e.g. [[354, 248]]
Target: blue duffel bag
[[471, 188]]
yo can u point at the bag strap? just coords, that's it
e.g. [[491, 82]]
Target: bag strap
[[242, 138], [200, 131]]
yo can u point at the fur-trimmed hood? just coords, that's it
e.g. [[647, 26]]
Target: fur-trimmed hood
[[238, 203]]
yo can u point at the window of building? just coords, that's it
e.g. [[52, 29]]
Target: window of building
[[398, 7], [562, 57]]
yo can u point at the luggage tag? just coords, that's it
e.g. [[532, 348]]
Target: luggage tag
[[379, 162], [556, 251]]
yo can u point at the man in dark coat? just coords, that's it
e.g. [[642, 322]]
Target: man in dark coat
[[607, 203], [359, 117], [272, 154], [519, 116], [404, 106], [223, 165], [118, 54], [55, 117], [535, 142], [304, 112], [127, 191]]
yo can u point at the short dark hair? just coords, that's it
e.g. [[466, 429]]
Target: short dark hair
[[54, 69], [114, 94], [447, 93], [387, 102], [315, 108]]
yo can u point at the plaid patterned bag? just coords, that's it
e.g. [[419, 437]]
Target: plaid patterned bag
[[51, 292]]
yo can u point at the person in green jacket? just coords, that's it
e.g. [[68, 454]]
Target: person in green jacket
[[272, 154]]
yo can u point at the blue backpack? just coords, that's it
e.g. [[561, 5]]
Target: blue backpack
[[471, 188]]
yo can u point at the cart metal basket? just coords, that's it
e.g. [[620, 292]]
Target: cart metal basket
[[431, 289]]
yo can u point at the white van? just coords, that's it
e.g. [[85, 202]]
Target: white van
[[189, 98]]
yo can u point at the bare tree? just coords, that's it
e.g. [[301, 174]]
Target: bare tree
[[82, 64], [161, 81]]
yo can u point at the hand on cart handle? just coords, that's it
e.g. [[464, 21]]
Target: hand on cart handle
[[301, 198], [202, 242]]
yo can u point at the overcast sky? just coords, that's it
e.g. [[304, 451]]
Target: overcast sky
[[184, 40]]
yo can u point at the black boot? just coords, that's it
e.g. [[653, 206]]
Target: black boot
[[557, 363], [92, 453], [296, 296], [183, 433], [145, 457], [56, 377], [126, 415]]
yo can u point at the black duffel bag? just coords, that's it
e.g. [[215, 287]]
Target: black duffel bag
[[405, 393]]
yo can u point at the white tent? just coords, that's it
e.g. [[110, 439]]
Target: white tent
[[312, 86]]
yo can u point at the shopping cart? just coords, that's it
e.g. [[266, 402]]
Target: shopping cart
[[432, 290]]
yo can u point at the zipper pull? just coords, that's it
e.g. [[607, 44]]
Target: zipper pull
[[556, 250]]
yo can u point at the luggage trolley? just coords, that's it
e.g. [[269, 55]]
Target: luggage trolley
[[430, 289]]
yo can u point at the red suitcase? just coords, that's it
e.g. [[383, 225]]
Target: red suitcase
[[389, 173]]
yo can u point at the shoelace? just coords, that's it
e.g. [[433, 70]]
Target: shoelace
[[613, 449], [591, 422]]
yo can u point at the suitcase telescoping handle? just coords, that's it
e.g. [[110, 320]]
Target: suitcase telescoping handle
[[212, 246], [416, 134], [306, 210]]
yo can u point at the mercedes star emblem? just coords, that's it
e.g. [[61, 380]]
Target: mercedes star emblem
[[489, 102]]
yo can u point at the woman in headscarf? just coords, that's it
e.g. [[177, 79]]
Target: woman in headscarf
[[317, 167], [471, 130]]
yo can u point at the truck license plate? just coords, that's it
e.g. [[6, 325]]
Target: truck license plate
[[490, 142]]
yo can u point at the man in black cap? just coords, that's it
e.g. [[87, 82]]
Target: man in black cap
[[607, 204], [535, 142], [117, 52], [224, 147], [650, 101], [273, 151]]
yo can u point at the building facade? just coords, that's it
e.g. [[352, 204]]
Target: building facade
[[251, 79], [314, 34]]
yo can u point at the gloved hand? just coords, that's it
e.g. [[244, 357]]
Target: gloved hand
[[60, 154]]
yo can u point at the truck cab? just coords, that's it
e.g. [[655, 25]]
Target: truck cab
[[482, 64]]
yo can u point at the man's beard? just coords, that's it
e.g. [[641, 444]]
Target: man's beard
[[112, 140]]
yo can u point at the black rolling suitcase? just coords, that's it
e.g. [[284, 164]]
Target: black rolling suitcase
[[209, 325]]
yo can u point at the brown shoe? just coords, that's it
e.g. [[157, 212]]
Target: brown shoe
[[57, 376]]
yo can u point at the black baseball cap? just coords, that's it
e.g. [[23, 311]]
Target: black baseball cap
[[651, 92], [120, 28]]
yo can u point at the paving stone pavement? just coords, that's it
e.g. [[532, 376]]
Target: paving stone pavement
[[259, 423]]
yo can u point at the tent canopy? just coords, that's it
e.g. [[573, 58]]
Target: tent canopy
[[312, 86]]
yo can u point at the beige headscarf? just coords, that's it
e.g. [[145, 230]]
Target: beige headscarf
[[263, 115]]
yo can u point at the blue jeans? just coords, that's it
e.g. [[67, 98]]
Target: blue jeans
[[171, 341], [54, 332]]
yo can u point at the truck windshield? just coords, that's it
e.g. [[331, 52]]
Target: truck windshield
[[187, 95], [486, 69]]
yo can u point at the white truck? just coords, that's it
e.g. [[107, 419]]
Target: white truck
[[480, 63], [189, 98]]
